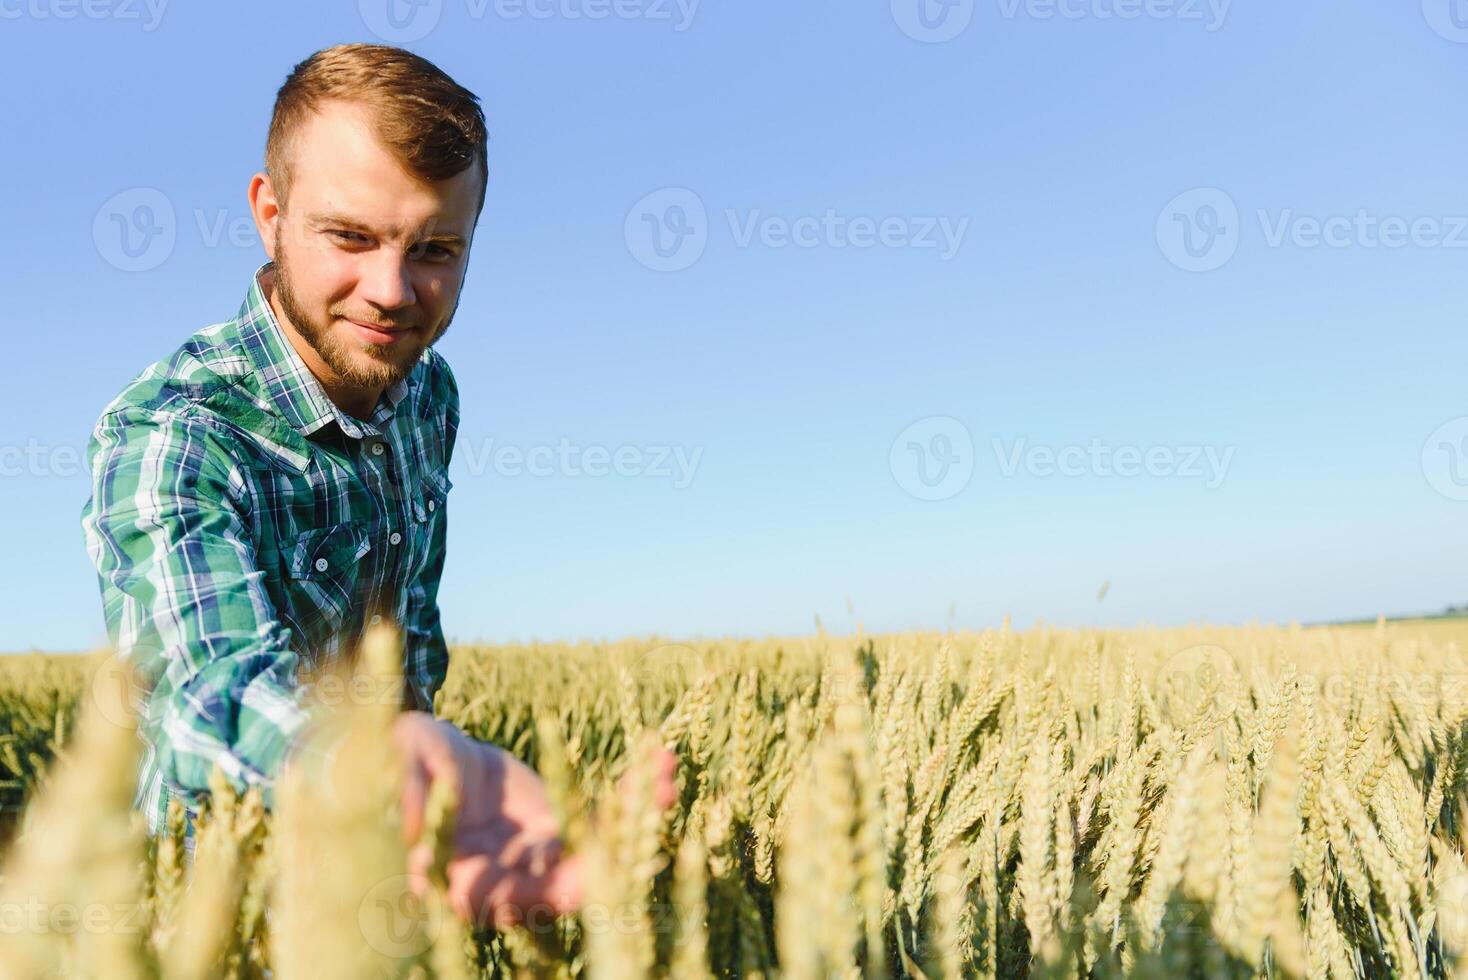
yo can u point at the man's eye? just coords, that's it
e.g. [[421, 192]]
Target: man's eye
[[347, 236], [429, 250]]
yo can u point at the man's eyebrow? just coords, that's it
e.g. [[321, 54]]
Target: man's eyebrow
[[345, 221]]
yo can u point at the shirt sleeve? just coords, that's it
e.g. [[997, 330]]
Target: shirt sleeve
[[185, 604], [426, 655]]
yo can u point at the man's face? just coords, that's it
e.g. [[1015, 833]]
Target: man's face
[[362, 243]]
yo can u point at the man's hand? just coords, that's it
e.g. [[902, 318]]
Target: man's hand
[[507, 849]]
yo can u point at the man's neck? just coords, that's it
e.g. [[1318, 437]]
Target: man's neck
[[356, 402]]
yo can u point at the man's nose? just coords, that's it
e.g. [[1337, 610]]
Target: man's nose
[[384, 281]]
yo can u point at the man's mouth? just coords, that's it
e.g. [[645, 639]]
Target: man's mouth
[[380, 333]]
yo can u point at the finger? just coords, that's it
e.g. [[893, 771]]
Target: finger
[[563, 886], [664, 765], [414, 798], [665, 792], [420, 859], [428, 754]]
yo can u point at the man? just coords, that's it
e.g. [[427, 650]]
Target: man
[[278, 484]]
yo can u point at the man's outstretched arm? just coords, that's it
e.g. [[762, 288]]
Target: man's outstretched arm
[[185, 604]]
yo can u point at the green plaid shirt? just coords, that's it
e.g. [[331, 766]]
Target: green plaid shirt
[[245, 531]]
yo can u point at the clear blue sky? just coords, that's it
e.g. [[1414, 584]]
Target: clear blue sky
[[1238, 230]]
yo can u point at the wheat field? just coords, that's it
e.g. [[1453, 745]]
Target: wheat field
[[1275, 802]]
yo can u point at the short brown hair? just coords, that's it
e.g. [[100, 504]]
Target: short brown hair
[[431, 123]]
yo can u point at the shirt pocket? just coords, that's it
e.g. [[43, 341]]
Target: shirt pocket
[[325, 566], [427, 512]]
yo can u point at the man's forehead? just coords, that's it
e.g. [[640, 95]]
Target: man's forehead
[[345, 176]]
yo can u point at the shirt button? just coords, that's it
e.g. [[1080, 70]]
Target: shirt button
[[377, 449], [375, 619], [321, 564], [394, 538], [430, 505]]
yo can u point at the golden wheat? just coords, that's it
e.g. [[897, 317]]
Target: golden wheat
[[1246, 802]]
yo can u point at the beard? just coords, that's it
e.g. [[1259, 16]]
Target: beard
[[385, 364]]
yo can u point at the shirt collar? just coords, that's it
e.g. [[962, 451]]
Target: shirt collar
[[294, 391]]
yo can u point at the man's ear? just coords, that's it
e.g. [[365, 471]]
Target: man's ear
[[266, 209]]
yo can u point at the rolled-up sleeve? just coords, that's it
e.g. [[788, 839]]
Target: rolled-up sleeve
[[185, 603]]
